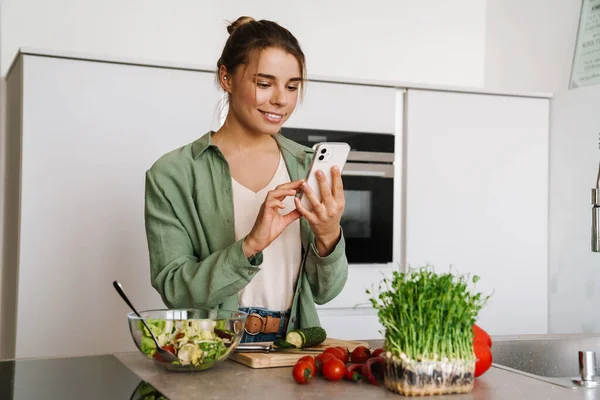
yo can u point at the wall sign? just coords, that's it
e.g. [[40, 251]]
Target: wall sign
[[585, 70]]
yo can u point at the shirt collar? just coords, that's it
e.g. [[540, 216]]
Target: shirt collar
[[295, 149]]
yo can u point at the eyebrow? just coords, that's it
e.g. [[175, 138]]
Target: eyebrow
[[267, 76]]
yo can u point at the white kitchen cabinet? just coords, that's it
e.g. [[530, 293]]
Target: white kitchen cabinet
[[89, 131], [477, 198], [344, 107], [350, 315]]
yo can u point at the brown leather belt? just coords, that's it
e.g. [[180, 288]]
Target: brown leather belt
[[256, 324]]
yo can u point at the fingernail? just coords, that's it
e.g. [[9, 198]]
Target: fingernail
[[335, 168], [320, 174]]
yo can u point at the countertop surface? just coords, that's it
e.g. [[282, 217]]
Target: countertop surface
[[231, 380]]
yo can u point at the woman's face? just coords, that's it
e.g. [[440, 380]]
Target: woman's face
[[264, 93]]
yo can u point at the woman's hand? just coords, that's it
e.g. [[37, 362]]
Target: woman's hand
[[270, 223], [325, 217]]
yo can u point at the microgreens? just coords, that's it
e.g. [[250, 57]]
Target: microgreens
[[428, 315]]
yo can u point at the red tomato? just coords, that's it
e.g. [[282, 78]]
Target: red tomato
[[334, 369], [360, 355], [311, 360], [168, 348], [479, 335], [377, 352], [322, 358], [483, 354], [337, 353], [345, 353], [303, 372]]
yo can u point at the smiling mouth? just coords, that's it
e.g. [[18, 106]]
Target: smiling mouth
[[272, 116]]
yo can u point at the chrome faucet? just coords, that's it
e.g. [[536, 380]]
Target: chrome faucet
[[596, 215]]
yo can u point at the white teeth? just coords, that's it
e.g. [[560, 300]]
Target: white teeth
[[274, 116]]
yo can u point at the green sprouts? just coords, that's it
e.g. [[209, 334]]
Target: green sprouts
[[428, 315]]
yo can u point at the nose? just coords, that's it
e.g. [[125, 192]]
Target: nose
[[279, 96]]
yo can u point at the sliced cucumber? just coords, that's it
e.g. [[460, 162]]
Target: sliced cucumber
[[283, 344], [306, 337]]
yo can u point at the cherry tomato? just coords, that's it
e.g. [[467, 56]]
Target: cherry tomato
[[321, 358], [311, 360], [168, 348], [345, 352], [480, 335], [360, 355], [337, 353], [334, 369], [377, 352], [303, 372], [483, 355]]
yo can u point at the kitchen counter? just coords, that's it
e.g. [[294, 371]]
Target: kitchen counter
[[233, 380]]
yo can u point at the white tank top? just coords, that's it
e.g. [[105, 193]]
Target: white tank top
[[273, 286]]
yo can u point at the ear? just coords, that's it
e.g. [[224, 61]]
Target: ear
[[225, 79]]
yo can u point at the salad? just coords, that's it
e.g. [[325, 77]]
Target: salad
[[145, 391], [194, 342]]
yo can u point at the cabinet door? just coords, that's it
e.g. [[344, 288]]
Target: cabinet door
[[477, 199], [343, 107], [90, 131], [350, 315]]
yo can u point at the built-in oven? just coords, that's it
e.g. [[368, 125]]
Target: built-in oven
[[368, 177]]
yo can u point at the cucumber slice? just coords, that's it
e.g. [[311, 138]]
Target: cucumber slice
[[307, 337], [283, 344]]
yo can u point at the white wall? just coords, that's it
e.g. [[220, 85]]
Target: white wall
[[436, 41], [530, 44], [574, 270]]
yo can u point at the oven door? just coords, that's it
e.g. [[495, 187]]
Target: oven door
[[369, 212]]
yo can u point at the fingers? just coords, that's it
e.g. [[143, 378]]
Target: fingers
[[337, 184], [310, 217], [312, 198], [274, 203], [290, 185], [285, 189], [280, 194], [326, 196], [291, 216]]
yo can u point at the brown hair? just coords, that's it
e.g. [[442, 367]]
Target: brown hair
[[247, 35]]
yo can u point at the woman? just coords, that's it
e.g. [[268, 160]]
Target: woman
[[224, 227]]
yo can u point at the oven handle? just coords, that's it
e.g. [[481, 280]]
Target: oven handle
[[372, 170], [364, 173]]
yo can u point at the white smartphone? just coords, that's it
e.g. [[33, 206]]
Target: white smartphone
[[326, 155]]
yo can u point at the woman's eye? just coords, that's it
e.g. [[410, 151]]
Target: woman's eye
[[292, 88], [262, 84]]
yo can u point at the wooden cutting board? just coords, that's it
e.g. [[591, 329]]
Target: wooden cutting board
[[287, 359]]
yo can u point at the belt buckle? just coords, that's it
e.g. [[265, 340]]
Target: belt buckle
[[262, 324]]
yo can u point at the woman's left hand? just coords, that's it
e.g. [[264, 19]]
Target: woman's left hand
[[325, 217]]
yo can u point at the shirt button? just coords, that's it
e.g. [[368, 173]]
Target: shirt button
[[293, 320], [250, 272], [299, 290]]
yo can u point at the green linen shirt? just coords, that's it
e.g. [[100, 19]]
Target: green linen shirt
[[195, 261]]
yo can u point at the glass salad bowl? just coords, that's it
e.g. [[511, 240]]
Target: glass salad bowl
[[199, 338]]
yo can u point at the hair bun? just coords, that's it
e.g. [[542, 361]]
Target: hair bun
[[239, 22]]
